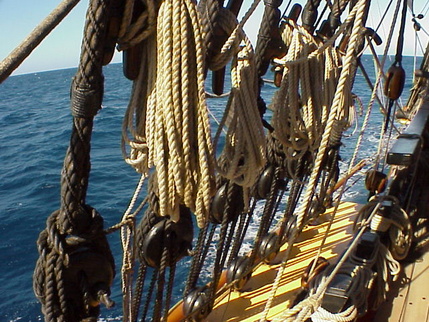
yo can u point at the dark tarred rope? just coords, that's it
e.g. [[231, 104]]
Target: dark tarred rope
[[400, 46], [75, 267]]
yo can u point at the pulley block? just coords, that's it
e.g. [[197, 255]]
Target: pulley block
[[174, 238], [375, 181], [395, 82], [263, 187], [88, 271], [297, 167], [310, 273], [196, 304], [228, 201], [270, 246], [237, 271], [316, 209]]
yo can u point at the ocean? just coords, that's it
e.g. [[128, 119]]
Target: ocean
[[35, 126]]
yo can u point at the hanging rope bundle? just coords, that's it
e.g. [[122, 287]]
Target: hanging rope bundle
[[243, 155], [338, 105], [297, 104], [172, 129]]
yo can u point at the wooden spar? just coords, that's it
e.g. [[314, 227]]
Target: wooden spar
[[20, 53]]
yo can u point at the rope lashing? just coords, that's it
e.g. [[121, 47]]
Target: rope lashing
[[86, 99], [173, 123]]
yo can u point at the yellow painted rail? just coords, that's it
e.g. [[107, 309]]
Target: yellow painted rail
[[249, 304]]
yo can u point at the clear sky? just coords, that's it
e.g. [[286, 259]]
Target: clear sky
[[62, 47]]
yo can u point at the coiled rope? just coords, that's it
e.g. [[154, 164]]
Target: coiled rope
[[298, 102], [397, 225], [134, 31], [243, 155], [172, 132], [336, 110]]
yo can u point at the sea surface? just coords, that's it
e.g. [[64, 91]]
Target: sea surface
[[35, 126]]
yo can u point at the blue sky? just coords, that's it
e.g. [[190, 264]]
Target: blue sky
[[62, 47], [59, 50]]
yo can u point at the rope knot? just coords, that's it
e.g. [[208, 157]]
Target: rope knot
[[138, 157], [79, 265]]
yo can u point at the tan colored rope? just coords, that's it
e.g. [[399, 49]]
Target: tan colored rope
[[341, 88], [127, 233], [344, 86], [301, 105], [133, 32], [243, 156], [172, 130]]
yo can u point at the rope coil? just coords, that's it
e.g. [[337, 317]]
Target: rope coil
[[173, 120]]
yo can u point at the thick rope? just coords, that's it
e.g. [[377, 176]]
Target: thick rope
[[336, 109], [298, 101], [134, 30], [74, 234]]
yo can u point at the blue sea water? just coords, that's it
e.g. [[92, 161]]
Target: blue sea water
[[35, 126]]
